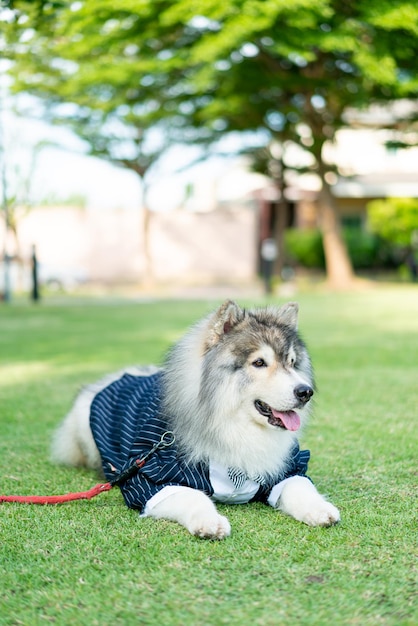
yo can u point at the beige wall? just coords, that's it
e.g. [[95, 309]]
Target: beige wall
[[212, 246], [108, 246]]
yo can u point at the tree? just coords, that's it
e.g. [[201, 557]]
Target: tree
[[279, 73], [15, 183], [293, 71], [82, 65]]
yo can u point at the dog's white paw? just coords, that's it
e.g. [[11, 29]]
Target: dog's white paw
[[210, 527], [323, 514], [300, 499], [192, 509]]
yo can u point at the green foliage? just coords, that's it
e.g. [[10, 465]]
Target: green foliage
[[97, 562], [366, 250], [304, 247], [199, 70], [363, 247], [395, 220]]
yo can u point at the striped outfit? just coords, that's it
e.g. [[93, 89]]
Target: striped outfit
[[126, 420]]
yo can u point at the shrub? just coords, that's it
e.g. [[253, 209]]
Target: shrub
[[304, 247], [394, 219], [363, 247]]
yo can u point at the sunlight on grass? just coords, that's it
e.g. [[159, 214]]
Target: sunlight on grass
[[16, 373]]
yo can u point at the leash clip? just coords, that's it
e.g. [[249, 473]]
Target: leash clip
[[166, 440]]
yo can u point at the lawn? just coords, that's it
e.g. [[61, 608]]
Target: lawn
[[98, 563]]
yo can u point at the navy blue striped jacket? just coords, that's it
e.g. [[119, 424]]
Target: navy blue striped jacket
[[126, 420]]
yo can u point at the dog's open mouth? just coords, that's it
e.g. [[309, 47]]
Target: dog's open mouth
[[289, 420]]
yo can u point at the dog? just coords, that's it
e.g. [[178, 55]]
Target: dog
[[219, 422]]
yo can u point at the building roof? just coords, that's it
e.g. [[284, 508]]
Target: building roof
[[378, 185]]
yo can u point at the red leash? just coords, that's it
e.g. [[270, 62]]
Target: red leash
[[167, 439], [68, 497]]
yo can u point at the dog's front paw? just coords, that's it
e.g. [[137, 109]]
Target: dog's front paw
[[300, 499], [210, 527], [322, 514], [192, 509]]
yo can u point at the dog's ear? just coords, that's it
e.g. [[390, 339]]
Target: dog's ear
[[288, 314], [223, 321]]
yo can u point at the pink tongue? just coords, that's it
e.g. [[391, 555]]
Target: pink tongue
[[290, 419]]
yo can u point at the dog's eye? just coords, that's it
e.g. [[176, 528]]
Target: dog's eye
[[291, 359], [259, 363]]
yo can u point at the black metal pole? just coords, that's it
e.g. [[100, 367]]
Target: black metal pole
[[35, 295]]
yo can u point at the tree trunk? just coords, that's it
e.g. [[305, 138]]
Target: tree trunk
[[281, 211], [339, 269], [148, 271], [279, 231], [340, 274]]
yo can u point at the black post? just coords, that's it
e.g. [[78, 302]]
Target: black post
[[35, 295]]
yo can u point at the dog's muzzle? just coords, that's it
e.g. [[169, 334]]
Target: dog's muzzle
[[303, 393]]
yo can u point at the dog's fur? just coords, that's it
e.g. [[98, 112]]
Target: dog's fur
[[212, 379]]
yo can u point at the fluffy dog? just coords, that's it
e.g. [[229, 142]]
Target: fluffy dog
[[218, 423]]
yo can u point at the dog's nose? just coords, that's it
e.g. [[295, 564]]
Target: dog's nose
[[303, 393]]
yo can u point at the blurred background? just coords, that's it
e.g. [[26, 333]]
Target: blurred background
[[152, 146]]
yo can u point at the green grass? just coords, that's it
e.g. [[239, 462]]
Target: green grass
[[98, 563]]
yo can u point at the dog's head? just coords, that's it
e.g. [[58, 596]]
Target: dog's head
[[259, 355]]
